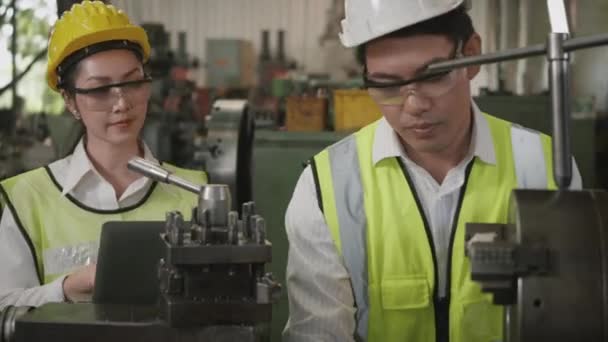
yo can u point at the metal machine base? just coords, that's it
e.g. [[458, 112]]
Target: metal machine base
[[549, 266], [95, 322]]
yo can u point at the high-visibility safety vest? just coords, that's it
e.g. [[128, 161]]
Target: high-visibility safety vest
[[63, 233], [380, 230]]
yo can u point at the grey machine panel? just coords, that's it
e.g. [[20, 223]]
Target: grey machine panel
[[230, 143], [548, 266]]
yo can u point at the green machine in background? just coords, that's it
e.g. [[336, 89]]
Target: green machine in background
[[279, 158]]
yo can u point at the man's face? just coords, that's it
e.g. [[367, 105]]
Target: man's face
[[430, 115]]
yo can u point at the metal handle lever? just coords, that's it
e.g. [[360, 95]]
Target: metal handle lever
[[157, 173]]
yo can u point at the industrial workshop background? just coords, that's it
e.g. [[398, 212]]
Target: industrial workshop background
[[285, 58]]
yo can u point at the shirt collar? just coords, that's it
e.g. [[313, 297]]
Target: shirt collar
[[388, 145], [79, 165]]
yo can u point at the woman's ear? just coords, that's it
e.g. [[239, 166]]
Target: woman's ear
[[472, 48], [70, 103]]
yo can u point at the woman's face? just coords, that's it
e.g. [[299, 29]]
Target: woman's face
[[111, 114]]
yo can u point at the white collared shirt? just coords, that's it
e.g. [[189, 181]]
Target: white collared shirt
[[321, 301], [78, 178]]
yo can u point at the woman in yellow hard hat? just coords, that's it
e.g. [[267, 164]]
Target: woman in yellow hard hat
[[52, 216]]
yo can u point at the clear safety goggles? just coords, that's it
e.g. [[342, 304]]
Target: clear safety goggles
[[104, 97], [428, 85]]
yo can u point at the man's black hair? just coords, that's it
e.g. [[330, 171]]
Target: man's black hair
[[455, 25]]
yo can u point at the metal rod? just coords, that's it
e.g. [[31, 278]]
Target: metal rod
[[534, 50], [559, 68], [585, 42], [156, 172], [184, 184], [530, 51]]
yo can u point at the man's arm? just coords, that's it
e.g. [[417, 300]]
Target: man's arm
[[321, 304]]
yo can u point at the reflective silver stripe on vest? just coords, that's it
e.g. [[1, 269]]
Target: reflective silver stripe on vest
[[529, 158], [59, 261], [352, 222]]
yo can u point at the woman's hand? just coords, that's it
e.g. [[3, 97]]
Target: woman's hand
[[78, 286]]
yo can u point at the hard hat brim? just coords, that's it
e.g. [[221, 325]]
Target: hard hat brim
[[360, 30], [134, 34]]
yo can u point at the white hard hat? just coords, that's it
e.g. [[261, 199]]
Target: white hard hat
[[369, 19]]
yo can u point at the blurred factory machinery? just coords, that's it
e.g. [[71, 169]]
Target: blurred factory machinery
[[175, 125], [266, 98], [25, 142], [183, 128]]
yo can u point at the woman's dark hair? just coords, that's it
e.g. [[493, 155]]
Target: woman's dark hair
[[456, 25], [67, 70], [68, 81], [76, 130]]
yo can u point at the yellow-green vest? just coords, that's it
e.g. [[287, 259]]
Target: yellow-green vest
[[63, 233], [379, 228]]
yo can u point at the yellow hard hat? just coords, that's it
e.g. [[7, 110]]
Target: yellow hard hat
[[86, 24]]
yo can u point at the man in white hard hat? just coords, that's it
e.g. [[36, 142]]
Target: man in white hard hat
[[376, 222]]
